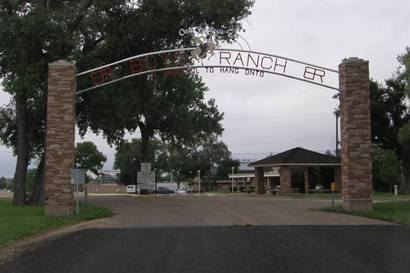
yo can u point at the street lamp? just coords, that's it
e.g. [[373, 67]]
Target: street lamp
[[199, 179], [233, 169]]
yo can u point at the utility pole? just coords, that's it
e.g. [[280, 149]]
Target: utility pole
[[337, 114]]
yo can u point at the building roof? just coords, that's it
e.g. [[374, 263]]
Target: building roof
[[297, 157]]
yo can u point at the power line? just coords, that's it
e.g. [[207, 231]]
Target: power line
[[280, 116], [281, 141]]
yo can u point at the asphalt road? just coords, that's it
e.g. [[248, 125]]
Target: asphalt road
[[227, 236]]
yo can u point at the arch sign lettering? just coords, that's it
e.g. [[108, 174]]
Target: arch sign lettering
[[210, 60]]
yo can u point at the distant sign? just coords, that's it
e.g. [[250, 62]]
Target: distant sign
[[145, 167], [146, 177], [77, 176]]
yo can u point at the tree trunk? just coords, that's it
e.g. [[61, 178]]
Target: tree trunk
[[37, 196], [20, 175], [404, 181], [145, 138]]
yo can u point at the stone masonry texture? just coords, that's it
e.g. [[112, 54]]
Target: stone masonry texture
[[260, 180], [306, 178], [355, 135], [60, 138], [285, 180]]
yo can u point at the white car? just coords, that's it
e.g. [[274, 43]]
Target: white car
[[132, 189], [180, 191]]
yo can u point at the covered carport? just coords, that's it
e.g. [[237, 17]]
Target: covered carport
[[290, 160]]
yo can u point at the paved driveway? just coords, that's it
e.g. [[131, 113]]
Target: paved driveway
[[221, 234], [220, 210]]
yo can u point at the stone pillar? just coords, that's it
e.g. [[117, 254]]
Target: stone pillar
[[306, 173], [285, 180], [338, 178], [60, 137], [260, 180], [355, 135]]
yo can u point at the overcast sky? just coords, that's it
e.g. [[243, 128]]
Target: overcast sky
[[271, 114]]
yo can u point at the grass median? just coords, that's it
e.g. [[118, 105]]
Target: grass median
[[378, 196], [18, 222], [397, 212]]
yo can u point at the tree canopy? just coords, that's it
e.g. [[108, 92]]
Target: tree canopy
[[390, 167], [169, 107], [88, 157], [35, 33], [211, 157]]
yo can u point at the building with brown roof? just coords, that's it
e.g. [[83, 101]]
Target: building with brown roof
[[314, 167]]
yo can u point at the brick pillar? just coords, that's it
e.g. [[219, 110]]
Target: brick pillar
[[285, 180], [60, 138], [355, 135], [260, 180], [306, 173]]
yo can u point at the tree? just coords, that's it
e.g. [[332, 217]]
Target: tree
[[10, 184], [211, 157], [225, 168], [404, 60], [404, 140], [35, 149], [390, 167], [128, 159], [35, 33], [88, 157], [171, 108], [3, 183], [377, 158], [388, 111]]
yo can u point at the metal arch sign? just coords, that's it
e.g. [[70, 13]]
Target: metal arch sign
[[225, 61]]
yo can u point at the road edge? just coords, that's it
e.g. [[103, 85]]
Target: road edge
[[13, 249]]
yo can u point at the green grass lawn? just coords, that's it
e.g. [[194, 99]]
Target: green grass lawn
[[390, 196], [378, 196], [20, 222], [397, 212]]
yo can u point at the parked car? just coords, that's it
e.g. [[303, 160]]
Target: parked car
[[164, 190], [132, 189], [180, 191]]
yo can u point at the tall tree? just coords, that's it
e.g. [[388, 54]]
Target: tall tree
[[33, 34], [172, 108], [388, 111]]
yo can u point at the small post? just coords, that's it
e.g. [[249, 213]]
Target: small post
[[396, 190], [233, 169], [199, 181], [333, 190], [78, 197], [85, 194]]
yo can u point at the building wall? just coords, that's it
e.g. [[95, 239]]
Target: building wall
[[105, 188]]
